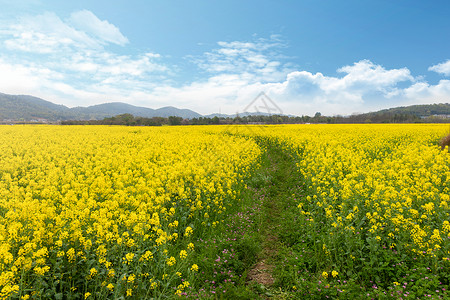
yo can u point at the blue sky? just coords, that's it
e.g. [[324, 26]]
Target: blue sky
[[336, 57]]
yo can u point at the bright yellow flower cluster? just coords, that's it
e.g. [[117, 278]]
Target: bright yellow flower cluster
[[110, 199], [386, 185]]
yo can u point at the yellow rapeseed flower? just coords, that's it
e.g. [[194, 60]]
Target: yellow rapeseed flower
[[194, 268], [171, 261], [183, 254]]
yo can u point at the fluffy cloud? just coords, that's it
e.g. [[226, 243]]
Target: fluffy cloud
[[365, 74], [300, 92], [46, 34], [365, 86], [363, 82], [75, 53], [241, 70], [253, 61], [16, 77], [106, 64], [103, 30], [443, 68], [70, 62]]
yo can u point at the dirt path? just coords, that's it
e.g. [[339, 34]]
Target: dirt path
[[278, 173]]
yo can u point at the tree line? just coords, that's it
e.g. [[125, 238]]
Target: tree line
[[130, 120]]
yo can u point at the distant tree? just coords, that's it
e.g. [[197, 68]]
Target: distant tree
[[173, 120], [126, 119], [238, 120], [215, 120]]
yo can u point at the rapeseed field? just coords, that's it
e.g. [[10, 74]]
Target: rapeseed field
[[110, 211], [375, 208], [121, 212]]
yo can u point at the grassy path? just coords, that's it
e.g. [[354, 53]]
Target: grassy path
[[248, 256], [278, 186]]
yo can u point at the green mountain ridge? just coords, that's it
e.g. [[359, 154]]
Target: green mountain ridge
[[421, 110], [16, 108], [29, 108]]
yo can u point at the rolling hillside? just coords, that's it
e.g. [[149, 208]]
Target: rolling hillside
[[424, 110], [28, 108]]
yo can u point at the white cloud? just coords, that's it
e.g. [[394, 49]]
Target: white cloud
[[46, 33], [106, 64], [116, 82], [425, 93], [78, 60], [34, 42], [300, 92], [363, 85], [105, 31], [53, 86], [365, 74], [240, 70], [14, 78], [69, 62], [443, 68], [257, 61]]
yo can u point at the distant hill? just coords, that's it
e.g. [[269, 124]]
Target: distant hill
[[173, 111], [423, 110], [243, 114], [28, 108]]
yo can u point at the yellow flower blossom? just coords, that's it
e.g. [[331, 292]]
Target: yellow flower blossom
[[194, 268], [93, 272], [128, 258], [129, 292], [171, 261], [183, 254], [188, 231], [190, 246], [131, 278]]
